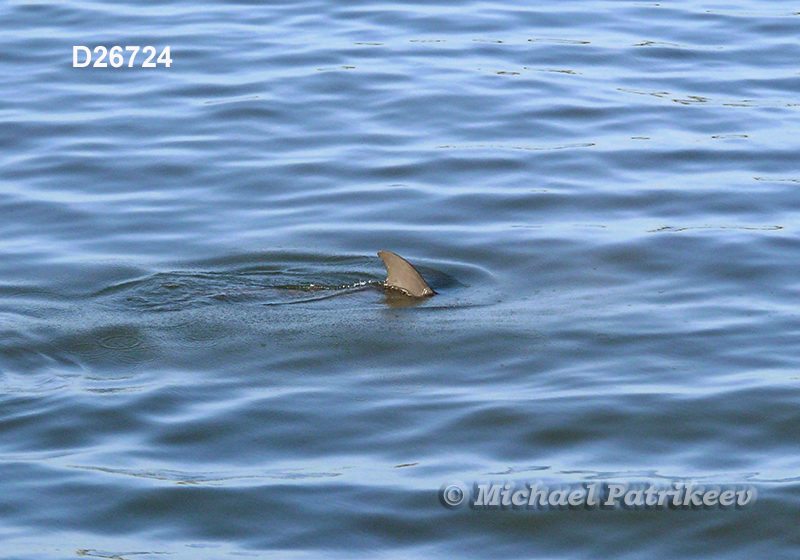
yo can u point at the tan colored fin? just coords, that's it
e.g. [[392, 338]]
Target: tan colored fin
[[404, 277]]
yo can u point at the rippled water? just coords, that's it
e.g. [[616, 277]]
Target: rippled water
[[197, 359]]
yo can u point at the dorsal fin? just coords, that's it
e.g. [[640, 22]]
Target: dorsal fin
[[404, 277]]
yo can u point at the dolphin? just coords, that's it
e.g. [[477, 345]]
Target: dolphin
[[404, 277]]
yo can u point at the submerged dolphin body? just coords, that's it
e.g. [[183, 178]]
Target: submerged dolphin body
[[404, 277]]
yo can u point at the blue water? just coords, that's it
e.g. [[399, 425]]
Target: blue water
[[197, 359]]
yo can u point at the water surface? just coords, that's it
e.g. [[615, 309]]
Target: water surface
[[197, 359]]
